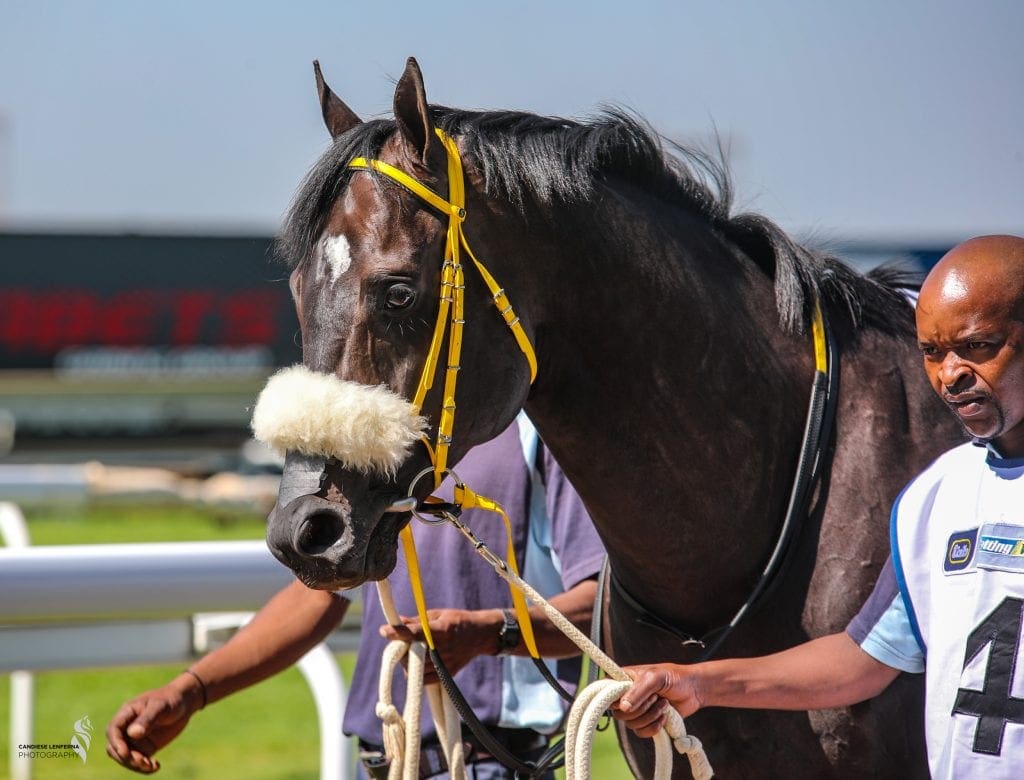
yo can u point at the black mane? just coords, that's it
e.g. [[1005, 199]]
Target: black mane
[[527, 158]]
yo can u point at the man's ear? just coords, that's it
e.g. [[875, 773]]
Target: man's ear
[[413, 114], [337, 116]]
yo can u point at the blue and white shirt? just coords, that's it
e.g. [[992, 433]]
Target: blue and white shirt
[[950, 602]]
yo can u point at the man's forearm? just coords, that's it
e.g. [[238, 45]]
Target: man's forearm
[[831, 671], [462, 634], [288, 626], [577, 605], [828, 672]]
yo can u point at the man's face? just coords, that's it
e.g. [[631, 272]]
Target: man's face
[[973, 347]]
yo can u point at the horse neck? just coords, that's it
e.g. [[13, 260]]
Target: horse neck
[[663, 374]]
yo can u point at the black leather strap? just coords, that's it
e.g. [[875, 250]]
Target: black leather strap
[[817, 440], [483, 736]]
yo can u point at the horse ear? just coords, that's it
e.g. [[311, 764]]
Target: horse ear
[[412, 112], [337, 116]]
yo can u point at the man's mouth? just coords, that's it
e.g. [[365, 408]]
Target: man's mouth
[[967, 406]]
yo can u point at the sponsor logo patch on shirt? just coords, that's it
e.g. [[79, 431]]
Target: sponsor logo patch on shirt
[[1001, 546], [960, 551]]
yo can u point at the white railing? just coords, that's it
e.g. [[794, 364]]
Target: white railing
[[106, 605]]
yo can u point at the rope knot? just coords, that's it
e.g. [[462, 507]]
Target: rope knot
[[388, 713], [687, 744]]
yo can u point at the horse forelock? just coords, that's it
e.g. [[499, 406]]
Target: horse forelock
[[323, 184]]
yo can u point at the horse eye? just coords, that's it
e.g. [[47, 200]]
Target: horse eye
[[399, 296]]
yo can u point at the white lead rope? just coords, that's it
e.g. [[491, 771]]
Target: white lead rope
[[586, 712], [401, 731], [593, 700]]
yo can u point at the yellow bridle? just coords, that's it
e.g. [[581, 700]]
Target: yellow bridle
[[451, 313], [452, 296]]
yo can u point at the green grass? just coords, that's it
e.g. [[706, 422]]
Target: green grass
[[268, 732], [117, 522]]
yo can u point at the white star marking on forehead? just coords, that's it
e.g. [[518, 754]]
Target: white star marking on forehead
[[336, 254]]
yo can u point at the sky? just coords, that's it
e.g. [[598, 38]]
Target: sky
[[856, 121]]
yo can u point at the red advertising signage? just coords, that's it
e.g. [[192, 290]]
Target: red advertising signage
[[99, 303], [114, 335]]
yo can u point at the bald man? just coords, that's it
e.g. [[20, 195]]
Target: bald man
[[949, 601]]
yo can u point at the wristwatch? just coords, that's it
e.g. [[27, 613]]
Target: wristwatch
[[509, 636]]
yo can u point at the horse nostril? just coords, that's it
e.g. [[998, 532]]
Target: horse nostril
[[318, 532]]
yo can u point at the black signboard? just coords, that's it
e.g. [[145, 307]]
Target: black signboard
[[65, 295], [138, 332]]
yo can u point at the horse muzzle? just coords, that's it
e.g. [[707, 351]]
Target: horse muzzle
[[315, 531], [342, 440], [314, 538], [330, 549]]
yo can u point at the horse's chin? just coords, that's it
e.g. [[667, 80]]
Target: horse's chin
[[312, 582], [382, 549]]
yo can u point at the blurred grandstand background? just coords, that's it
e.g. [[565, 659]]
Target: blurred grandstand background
[[137, 349]]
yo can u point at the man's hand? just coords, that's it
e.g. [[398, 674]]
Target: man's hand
[[151, 720], [460, 635], [830, 671], [642, 707]]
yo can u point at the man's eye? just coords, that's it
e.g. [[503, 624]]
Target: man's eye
[[928, 351], [977, 344], [399, 296]]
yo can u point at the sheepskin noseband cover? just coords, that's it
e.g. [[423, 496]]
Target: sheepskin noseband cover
[[367, 428]]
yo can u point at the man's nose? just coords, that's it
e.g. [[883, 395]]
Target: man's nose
[[954, 373]]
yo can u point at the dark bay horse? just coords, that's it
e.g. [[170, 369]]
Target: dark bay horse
[[675, 366]]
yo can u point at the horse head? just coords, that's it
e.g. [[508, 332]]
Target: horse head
[[372, 288]]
